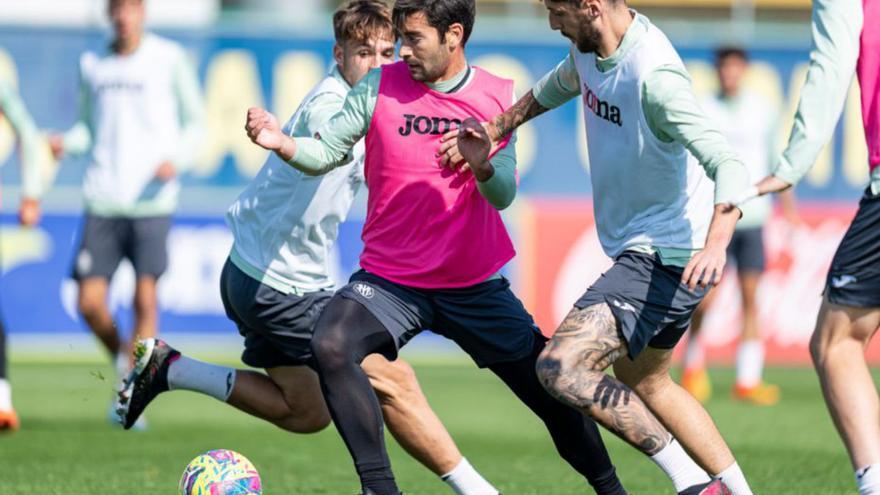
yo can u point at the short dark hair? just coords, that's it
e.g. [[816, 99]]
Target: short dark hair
[[361, 20], [440, 13], [722, 53]]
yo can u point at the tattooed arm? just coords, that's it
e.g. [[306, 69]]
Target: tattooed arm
[[557, 87]]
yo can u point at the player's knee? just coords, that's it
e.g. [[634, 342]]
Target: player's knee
[[555, 373], [90, 306], [304, 422], [394, 382], [330, 351]]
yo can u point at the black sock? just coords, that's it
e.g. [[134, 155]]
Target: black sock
[[344, 335], [575, 435]]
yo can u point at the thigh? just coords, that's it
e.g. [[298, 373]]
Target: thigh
[[389, 378], [648, 302], [487, 321], [148, 245], [854, 277], [101, 248], [839, 323], [588, 336], [403, 311], [277, 328]]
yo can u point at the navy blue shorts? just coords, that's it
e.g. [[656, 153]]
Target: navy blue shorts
[[854, 277], [105, 241], [486, 320], [746, 249], [277, 327], [651, 305]]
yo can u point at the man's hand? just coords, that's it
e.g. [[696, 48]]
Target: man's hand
[[263, 129], [56, 144], [474, 145], [166, 172], [771, 184], [29, 212], [707, 266], [450, 153]]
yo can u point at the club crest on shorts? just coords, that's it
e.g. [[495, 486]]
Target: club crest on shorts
[[364, 290]]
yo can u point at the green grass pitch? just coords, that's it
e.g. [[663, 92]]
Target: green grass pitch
[[66, 445]]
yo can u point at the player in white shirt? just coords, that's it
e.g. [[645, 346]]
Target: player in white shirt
[[140, 121], [748, 121]]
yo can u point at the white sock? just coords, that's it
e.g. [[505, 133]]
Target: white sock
[[749, 363], [679, 466], [210, 379], [122, 364], [735, 480], [5, 395], [694, 357], [465, 480], [868, 480]]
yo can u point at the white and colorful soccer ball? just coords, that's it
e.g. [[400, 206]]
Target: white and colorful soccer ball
[[220, 472]]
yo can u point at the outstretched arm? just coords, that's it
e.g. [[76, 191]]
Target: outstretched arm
[[330, 146]]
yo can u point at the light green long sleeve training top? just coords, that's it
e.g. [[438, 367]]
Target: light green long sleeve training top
[[837, 27], [673, 114]]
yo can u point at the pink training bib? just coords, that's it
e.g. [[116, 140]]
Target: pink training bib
[[869, 79], [427, 226]]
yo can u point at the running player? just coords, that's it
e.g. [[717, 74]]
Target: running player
[[18, 117], [433, 240], [748, 122], [845, 40], [654, 217], [276, 282], [140, 113]]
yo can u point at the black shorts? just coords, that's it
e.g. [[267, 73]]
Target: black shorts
[[106, 241], [277, 327], [486, 320], [746, 249], [854, 277], [651, 305]]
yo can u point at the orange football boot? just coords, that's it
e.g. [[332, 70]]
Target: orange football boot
[[762, 394], [696, 381], [9, 421]]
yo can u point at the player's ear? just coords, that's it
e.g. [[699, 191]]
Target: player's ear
[[338, 54], [454, 36]]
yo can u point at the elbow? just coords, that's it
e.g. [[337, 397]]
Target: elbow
[[505, 201]]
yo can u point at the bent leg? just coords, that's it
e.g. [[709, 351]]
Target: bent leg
[[289, 397], [572, 366], [837, 348], [679, 412], [576, 436], [345, 334], [92, 306], [409, 416]]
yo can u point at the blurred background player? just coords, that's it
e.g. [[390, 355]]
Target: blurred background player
[[748, 121], [140, 117], [846, 39], [13, 109], [277, 282]]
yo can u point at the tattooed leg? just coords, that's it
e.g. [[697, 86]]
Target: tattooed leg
[[649, 377], [572, 368]]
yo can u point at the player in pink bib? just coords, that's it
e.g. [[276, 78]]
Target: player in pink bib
[[434, 241], [846, 39]]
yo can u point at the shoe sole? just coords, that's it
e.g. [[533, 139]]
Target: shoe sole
[[143, 352]]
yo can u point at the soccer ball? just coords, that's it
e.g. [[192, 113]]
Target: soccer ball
[[220, 472]]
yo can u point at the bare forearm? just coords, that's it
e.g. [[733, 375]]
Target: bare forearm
[[521, 112], [723, 225]]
